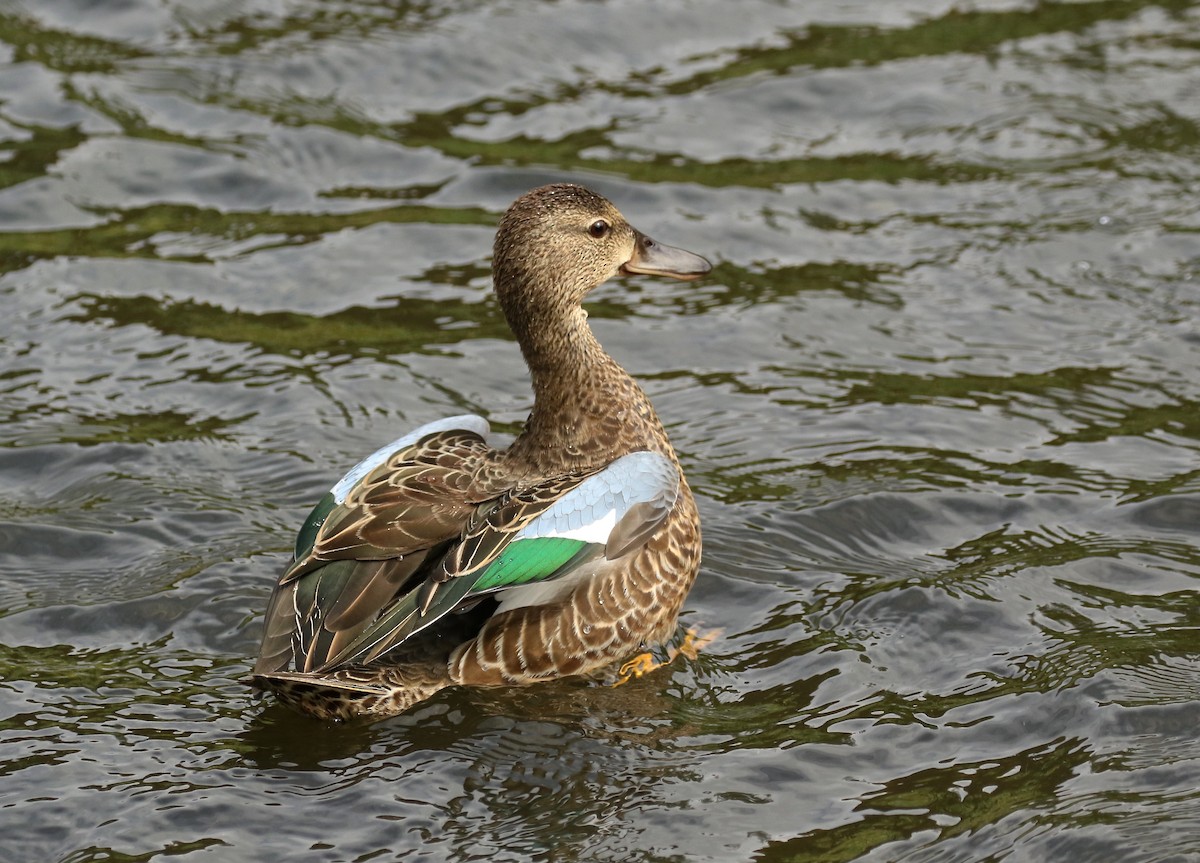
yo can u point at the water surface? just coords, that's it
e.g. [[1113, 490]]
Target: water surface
[[939, 401]]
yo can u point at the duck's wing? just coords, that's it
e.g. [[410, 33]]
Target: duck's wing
[[389, 516], [528, 537]]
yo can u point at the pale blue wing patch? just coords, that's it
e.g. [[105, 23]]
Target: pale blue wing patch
[[467, 422], [590, 511]]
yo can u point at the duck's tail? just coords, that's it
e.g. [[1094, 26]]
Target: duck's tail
[[351, 692]]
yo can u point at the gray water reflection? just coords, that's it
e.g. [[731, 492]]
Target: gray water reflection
[[938, 400]]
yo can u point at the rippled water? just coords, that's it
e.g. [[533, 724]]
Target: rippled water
[[940, 401]]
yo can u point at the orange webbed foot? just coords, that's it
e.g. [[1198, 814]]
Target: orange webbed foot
[[689, 647], [693, 642]]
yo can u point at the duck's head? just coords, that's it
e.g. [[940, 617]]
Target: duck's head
[[557, 243]]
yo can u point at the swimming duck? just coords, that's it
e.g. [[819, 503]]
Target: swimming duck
[[440, 560]]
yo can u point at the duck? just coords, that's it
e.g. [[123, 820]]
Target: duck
[[445, 560]]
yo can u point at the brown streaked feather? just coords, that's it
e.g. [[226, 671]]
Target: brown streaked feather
[[275, 653], [371, 546], [420, 496], [636, 527], [413, 500], [354, 608], [354, 691]]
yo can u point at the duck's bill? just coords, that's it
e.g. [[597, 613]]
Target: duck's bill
[[652, 258]]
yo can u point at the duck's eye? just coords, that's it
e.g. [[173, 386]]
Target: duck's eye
[[599, 229]]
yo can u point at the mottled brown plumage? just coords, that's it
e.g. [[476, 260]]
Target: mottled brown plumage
[[366, 618]]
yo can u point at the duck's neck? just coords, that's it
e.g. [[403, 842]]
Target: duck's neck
[[558, 344], [587, 410]]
